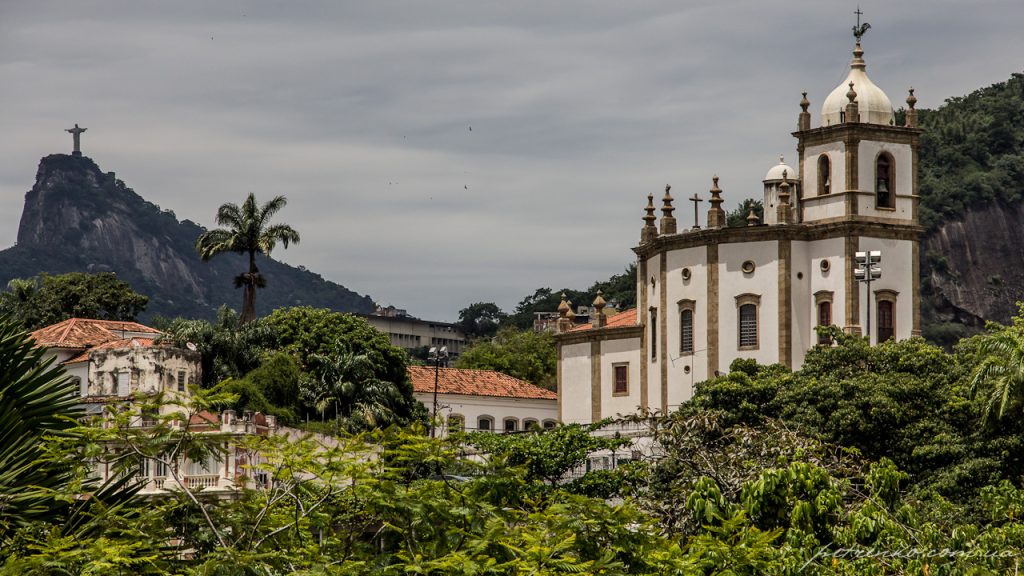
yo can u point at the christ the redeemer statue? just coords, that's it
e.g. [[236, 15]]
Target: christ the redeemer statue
[[76, 133]]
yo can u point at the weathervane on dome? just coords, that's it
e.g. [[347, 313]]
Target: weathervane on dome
[[860, 29]]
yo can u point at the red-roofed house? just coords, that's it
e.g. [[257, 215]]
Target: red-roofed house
[[120, 361], [483, 400], [115, 360]]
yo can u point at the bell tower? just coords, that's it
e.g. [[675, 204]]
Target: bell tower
[[858, 164]]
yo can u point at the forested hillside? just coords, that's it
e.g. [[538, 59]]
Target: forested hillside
[[971, 186]]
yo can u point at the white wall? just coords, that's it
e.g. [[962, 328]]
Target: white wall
[[897, 263], [615, 352], [733, 282], [576, 386], [653, 299], [471, 408], [680, 382], [817, 207]]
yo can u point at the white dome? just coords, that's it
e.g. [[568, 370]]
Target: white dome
[[775, 172], [872, 104]]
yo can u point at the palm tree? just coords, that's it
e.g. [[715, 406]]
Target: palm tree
[[247, 232], [348, 382], [1001, 366], [37, 400]]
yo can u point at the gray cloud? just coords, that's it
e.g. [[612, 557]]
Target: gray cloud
[[360, 113]]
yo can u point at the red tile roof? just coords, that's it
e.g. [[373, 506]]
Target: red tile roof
[[86, 333], [475, 383], [624, 318], [112, 345]]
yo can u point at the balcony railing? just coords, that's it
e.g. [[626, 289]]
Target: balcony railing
[[203, 481]]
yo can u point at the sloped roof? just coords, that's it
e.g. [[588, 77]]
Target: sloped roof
[[624, 318], [87, 333], [475, 383], [112, 345]]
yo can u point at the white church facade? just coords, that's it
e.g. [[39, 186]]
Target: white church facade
[[707, 296]]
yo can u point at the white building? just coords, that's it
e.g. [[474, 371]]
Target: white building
[[707, 296], [118, 363], [483, 400]]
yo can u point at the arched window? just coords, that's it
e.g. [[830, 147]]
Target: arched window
[[531, 424], [885, 194], [747, 326], [824, 319], [686, 308], [485, 423], [549, 424], [456, 423], [824, 175], [511, 424]]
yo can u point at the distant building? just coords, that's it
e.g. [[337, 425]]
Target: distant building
[[413, 334], [483, 400]]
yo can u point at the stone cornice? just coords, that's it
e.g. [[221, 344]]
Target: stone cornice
[[855, 131], [838, 228], [599, 334]]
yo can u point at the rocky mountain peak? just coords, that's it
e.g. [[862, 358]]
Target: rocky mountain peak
[[79, 218]]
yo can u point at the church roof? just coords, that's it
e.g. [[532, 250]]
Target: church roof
[[88, 333], [475, 383], [624, 318], [775, 172], [873, 105]]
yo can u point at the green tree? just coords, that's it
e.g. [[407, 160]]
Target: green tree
[[248, 231], [738, 217], [318, 338], [526, 354], [480, 319], [37, 399], [46, 299], [999, 368], [229, 349]]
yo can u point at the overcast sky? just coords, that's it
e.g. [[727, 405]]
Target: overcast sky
[[438, 153]]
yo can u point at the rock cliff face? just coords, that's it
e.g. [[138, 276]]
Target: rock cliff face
[[973, 267], [78, 218]]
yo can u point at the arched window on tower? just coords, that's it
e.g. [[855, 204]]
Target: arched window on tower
[[824, 175], [885, 194]]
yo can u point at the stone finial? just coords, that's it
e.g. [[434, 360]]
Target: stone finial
[[598, 319], [752, 219], [564, 321], [804, 123], [563, 306], [649, 231], [852, 114], [716, 215], [911, 121], [783, 209], [668, 221]]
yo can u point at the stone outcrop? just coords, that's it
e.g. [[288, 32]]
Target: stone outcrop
[[973, 267], [78, 218]]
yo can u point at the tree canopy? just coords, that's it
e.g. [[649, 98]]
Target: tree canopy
[[45, 299], [525, 354]]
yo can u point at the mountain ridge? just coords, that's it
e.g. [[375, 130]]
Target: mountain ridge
[[78, 218]]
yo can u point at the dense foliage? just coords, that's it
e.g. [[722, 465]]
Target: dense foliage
[[525, 354], [868, 460], [45, 299]]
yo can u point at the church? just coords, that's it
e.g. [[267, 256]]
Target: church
[[708, 296]]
